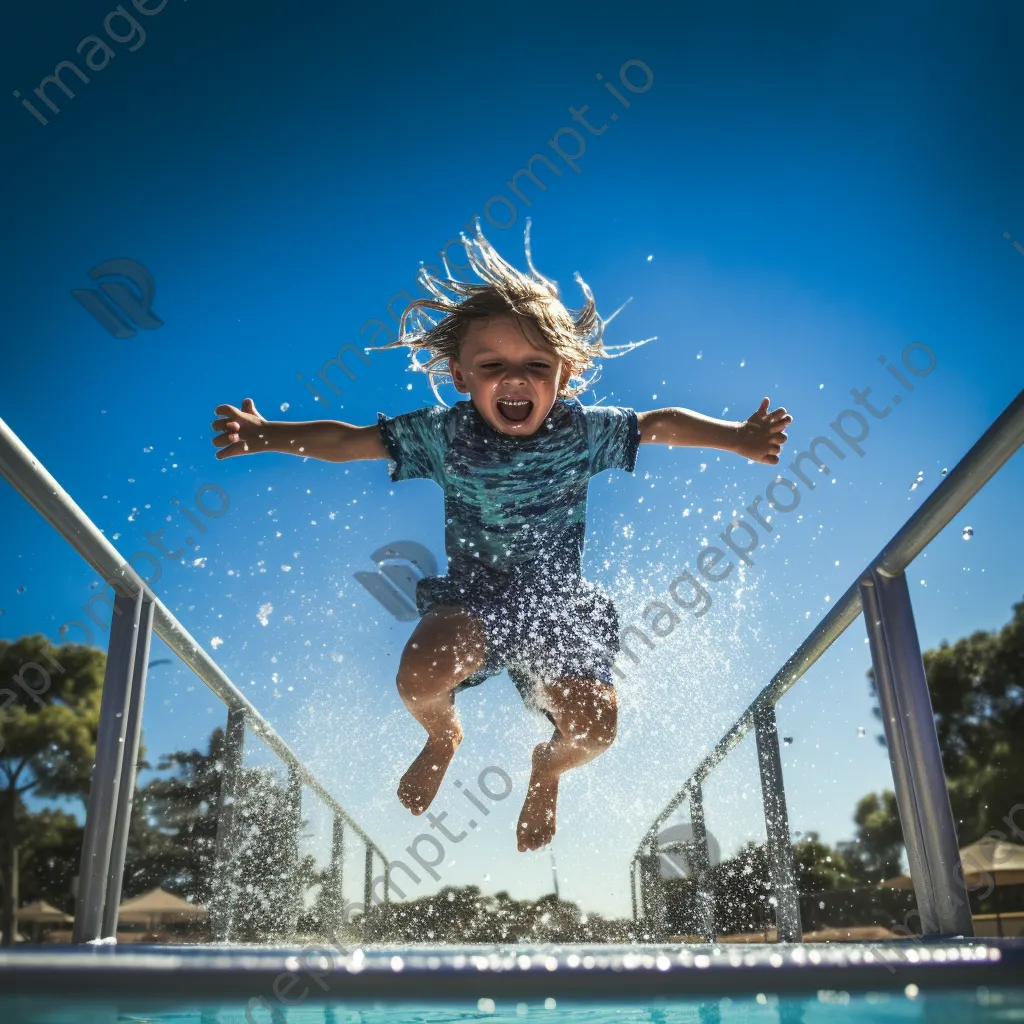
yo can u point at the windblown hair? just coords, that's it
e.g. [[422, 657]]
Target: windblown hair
[[577, 337]]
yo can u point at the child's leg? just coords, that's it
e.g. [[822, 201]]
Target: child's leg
[[446, 648], [585, 714]]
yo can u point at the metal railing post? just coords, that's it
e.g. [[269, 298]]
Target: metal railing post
[[776, 819], [632, 888], [367, 883], [701, 863], [929, 831], [97, 841], [334, 890], [293, 828], [222, 902], [129, 767], [652, 890]]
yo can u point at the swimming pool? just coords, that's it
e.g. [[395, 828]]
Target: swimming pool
[[968, 981]]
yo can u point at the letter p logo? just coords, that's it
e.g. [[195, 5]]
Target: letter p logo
[[402, 565], [118, 300]]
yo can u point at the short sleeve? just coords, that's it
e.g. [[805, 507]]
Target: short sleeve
[[416, 442], [613, 436]]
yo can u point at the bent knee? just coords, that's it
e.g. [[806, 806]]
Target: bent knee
[[443, 651], [420, 675], [591, 719], [409, 680], [607, 718]]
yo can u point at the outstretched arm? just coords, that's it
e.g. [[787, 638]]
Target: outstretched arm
[[759, 438], [244, 431]]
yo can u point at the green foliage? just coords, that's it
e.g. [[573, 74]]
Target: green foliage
[[977, 693], [172, 843], [173, 832], [464, 915], [49, 855], [267, 886], [49, 715], [49, 727], [875, 853], [977, 688], [741, 893], [819, 867]]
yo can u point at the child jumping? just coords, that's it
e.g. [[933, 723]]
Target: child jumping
[[514, 463]]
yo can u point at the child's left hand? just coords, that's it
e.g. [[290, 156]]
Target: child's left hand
[[763, 435]]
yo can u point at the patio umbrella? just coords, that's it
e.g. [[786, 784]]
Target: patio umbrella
[[41, 912], [38, 913], [159, 907], [992, 858], [987, 862]]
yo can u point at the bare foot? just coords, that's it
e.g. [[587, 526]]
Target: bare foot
[[421, 782], [537, 819]]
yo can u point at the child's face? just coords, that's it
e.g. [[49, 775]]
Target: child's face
[[511, 379]]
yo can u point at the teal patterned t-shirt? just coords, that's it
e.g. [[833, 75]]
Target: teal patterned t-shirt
[[511, 500]]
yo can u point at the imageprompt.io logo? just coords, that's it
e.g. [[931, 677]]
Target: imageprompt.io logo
[[401, 566], [114, 304], [676, 852]]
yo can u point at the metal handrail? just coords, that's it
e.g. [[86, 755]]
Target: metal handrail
[[984, 459], [37, 486]]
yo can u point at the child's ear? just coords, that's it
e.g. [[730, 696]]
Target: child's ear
[[458, 377]]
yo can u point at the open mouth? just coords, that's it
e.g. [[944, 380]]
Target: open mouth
[[514, 410]]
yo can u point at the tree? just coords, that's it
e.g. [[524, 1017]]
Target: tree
[[49, 715], [464, 915], [977, 693], [48, 855], [977, 688], [172, 843], [267, 885], [741, 892], [876, 850], [819, 867], [173, 832]]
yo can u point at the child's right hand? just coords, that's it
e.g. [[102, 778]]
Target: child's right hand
[[240, 431]]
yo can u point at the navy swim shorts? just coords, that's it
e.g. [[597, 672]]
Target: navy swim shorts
[[542, 624]]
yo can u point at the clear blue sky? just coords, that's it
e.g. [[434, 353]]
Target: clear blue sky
[[801, 190]]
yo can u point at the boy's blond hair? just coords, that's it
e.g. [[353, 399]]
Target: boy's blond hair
[[577, 339]]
